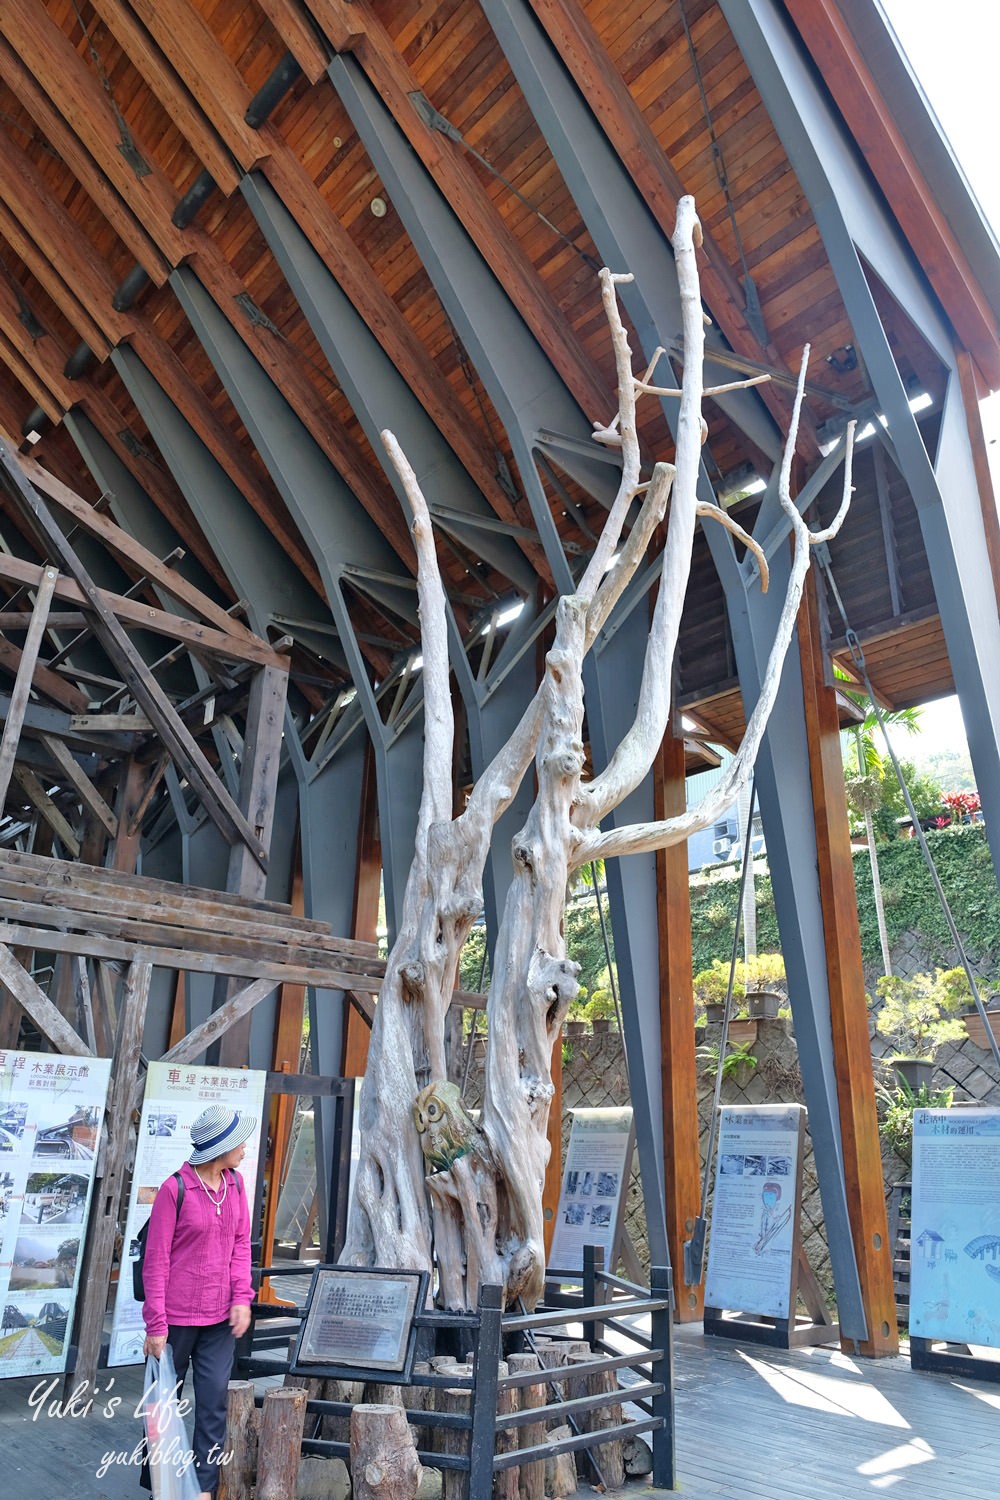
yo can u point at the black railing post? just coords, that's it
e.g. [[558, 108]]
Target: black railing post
[[593, 1291], [661, 1286], [484, 1393]]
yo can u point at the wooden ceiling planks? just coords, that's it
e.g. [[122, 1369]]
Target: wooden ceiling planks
[[185, 106]]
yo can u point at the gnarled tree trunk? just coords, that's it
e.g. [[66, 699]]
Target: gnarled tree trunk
[[434, 1188]]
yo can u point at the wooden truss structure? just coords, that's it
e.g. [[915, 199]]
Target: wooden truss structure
[[81, 777]]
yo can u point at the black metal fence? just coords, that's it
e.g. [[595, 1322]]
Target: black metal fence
[[630, 1332]]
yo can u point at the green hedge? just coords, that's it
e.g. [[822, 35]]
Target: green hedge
[[962, 857]]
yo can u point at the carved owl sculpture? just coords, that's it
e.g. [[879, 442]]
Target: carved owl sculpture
[[447, 1132]]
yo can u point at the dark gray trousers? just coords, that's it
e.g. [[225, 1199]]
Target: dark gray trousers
[[209, 1351]]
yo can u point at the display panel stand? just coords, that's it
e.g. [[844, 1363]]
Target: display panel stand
[[817, 1326], [758, 1270], [954, 1244]]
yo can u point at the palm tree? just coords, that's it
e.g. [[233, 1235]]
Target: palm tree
[[866, 788]]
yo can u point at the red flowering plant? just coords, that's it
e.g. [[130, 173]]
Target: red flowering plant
[[961, 806]]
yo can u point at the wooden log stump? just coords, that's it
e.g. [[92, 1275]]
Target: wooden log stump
[[455, 1482], [505, 1483], [560, 1469], [280, 1448], [384, 1463], [531, 1475], [608, 1455], [239, 1469]]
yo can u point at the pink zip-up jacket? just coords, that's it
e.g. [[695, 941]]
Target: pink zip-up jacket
[[195, 1273]]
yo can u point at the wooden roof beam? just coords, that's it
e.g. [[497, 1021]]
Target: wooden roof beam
[[296, 30], [71, 81], [200, 62], [829, 40], [148, 60], [44, 680], [168, 19], [25, 374], [75, 154], [64, 245], [623, 123], [68, 301]]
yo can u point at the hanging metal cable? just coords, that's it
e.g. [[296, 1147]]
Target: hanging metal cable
[[752, 308]]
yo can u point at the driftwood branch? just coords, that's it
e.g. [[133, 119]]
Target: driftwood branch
[[434, 1187]]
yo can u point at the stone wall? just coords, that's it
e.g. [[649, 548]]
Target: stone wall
[[595, 1075]]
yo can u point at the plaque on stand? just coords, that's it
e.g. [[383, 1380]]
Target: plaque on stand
[[954, 1242], [358, 1324], [758, 1271]]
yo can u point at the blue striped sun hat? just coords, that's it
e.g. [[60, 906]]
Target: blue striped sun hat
[[217, 1131]]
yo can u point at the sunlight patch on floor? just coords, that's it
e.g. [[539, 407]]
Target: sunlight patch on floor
[[828, 1394], [992, 1398], [888, 1468]]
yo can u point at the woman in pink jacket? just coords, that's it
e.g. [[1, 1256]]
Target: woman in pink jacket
[[196, 1274]]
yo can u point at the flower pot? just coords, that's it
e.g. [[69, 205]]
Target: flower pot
[[575, 1028], [714, 1012], [601, 1025], [916, 1072], [977, 1031], [763, 1005]]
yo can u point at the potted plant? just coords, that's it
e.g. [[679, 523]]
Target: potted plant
[[600, 1011], [918, 1015], [763, 977], [711, 986], [575, 1023]]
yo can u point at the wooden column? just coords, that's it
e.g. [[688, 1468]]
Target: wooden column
[[367, 883], [258, 788], [106, 1204], [848, 1007], [681, 1155]]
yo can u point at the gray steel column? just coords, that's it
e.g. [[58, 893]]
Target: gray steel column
[[538, 413], [853, 220], [337, 531], [379, 395], [131, 507], [623, 229], [259, 570]]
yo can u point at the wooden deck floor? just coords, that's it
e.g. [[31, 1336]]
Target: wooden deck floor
[[808, 1425]]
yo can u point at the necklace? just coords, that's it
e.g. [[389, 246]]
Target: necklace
[[210, 1193]]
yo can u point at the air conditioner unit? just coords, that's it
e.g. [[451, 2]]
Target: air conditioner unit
[[722, 846]]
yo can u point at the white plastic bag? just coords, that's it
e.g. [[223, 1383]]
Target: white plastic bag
[[170, 1456]]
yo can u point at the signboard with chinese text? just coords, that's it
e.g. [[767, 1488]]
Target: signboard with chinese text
[[955, 1226], [594, 1184], [175, 1096], [359, 1320], [755, 1209], [51, 1111]]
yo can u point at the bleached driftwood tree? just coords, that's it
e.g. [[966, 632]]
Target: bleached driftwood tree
[[434, 1189]]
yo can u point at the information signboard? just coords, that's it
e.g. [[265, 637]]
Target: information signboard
[[51, 1109], [955, 1226], [753, 1243], [594, 1185], [175, 1096], [359, 1319]]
